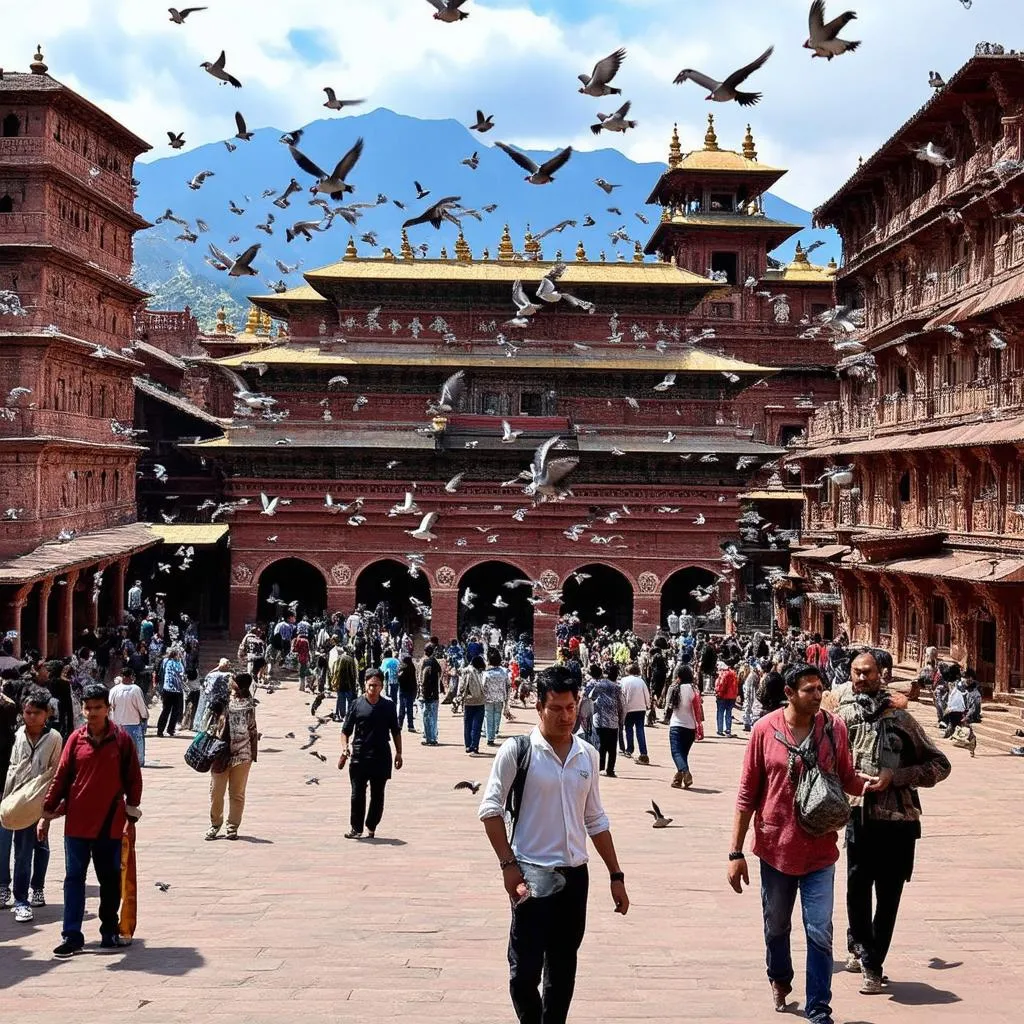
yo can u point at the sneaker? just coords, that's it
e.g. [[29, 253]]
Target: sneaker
[[37, 899], [353, 834], [113, 942], [232, 833], [5, 896], [871, 984], [853, 964], [677, 780], [643, 759], [370, 833], [66, 949], [1017, 751], [424, 743], [23, 913], [211, 833], [610, 774]]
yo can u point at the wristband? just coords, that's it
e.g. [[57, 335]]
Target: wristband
[[617, 876], [737, 855], [508, 863]]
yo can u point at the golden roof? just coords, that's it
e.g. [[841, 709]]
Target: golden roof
[[724, 160], [727, 220], [663, 275], [802, 271], [302, 293], [691, 361], [189, 533]]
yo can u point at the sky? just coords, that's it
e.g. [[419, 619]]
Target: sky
[[517, 59]]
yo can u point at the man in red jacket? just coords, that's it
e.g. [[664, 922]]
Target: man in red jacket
[[98, 771]]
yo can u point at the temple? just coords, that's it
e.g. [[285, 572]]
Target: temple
[[914, 491]]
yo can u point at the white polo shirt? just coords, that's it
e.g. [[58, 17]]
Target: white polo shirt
[[561, 802]]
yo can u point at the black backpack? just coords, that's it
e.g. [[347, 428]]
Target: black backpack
[[514, 800]]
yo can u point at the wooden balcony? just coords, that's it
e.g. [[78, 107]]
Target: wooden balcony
[[46, 229]]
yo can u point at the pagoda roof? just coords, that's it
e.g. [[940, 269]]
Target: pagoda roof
[[775, 232], [317, 435], [802, 271], [176, 401], [945, 106], [693, 360], [682, 445], [279, 303]]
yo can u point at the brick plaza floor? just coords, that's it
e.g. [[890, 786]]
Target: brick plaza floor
[[295, 923]]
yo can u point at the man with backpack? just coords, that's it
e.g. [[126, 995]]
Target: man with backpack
[[548, 783]]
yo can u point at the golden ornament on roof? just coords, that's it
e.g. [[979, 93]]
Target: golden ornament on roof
[[406, 249], [675, 151], [749, 152], [638, 253], [710, 138], [463, 253], [581, 253], [505, 248]]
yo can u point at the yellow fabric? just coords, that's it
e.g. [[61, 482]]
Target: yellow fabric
[[129, 883]]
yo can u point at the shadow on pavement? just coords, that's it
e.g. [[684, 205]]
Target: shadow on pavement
[[169, 961], [918, 993]]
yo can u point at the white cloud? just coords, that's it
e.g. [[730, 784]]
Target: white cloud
[[520, 64]]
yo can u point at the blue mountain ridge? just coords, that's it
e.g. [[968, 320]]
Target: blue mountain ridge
[[398, 149]]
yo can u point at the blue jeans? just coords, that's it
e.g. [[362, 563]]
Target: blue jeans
[[345, 701], [635, 723], [492, 717], [680, 739], [31, 858], [407, 702], [472, 723], [723, 713], [391, 692], [138, 735], [778, 895], [106, 860], [428, 715]]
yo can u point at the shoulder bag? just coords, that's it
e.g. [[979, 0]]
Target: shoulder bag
[[820, 802]]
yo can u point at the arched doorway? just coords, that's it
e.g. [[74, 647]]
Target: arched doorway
[[387, 583], [677, 592], [603, 598], [487, 582], [288, 580]]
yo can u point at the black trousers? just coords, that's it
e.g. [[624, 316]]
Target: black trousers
[[170, 713], [608, 744], [360, 817], [879, 861], [542, 945]]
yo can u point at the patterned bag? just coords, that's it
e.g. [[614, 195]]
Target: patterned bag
[[203, 751], [820, 803]]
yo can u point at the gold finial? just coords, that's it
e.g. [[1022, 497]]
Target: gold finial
[[710, 138], [252, 323], [638, 253], [444, 253], [387, 254], [505, 249], [581, 253], [749, 153], [486, 254], [601, 256], [350, 251], [406, 249], [800, 256], [675, 151], [222, 321], [265, 324], [531, 246], [832, 265], [38, 66], [463, 253]]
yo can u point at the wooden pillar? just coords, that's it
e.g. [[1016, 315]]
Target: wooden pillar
[[1002, 617], [896, 612], [66, 616], [43, 628], [120, 588], [12, 618]]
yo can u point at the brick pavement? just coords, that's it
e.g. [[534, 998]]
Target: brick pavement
[[293, 922]]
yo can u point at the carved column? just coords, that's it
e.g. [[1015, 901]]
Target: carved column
[[65, 616], [120, 568], [896, 610], [13, 614], [444, 604], [1001, 611], [45, 588], [647, 606], [242, 600], [919, 592]]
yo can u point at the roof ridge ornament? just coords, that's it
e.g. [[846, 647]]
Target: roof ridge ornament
[[406, 250], [710, 137], [505, 248], [749, 152], [38, 65], [675, 150]]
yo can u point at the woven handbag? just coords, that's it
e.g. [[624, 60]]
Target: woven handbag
[[203, 751]]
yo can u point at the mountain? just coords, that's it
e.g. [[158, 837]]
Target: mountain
[[398, 150]]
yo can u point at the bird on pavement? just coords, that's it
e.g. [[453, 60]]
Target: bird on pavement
[[596, 83], [660, 821], [724, 91], [823, 39], [539, 174]]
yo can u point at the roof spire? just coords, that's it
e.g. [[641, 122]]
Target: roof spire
[[222, 321], [463, 253], [252, 323], [675, 151], [444, 253], [531, 246], [38, 65], [581, 253], [638, 253], [749, 153], [505, 250], [350, 251], [406, 249], [800, 256], [710, 138]]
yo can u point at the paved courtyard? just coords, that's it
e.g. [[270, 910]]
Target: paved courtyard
[[295, 923]]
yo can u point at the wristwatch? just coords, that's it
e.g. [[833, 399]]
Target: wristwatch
[[507, 863], [737, 855], [617, 876]]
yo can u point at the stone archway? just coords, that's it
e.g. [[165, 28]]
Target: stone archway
[[603, 598], [388, 581], [677, 592], [487, 582], [288, 580]]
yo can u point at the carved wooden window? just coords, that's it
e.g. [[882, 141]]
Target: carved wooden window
[[722, 310], [531, 403], [11, 126]]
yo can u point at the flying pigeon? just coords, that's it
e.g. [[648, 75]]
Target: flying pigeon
[[422, 532], [823, 39], [197, 182], [435, 214], [723, 92], [451, 391], [239, 267], [473, 787], [333, 103], [333, 184], [217, 70], [613, 122], [178, 17], [483, 124], [545, 172], [546, 473], [660, 821], [596, 84], [932, 154], [607, 186], [472, 162], [508, 435], [241, 131], [448, 10], [176, 141]]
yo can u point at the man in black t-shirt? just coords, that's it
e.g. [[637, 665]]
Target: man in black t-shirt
[[430, 694], [371, 723]]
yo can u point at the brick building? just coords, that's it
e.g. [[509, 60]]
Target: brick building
[[913, 478]]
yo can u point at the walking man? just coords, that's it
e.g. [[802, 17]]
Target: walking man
[[792, 860], [430, 695], [552, 785], [97, 774], [370, 724], [344, 674], [885, 741]]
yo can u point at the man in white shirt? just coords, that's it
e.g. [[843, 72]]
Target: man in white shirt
[[128, 710], [673, 624], [353, 624], [638, 700], [559, 805]]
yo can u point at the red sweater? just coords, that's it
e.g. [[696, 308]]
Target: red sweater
[[766, 790], [92, 777]]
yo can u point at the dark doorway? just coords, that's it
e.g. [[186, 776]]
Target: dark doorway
[[828, 625], [30, 622], [291, 580], [604, 598], [726, 263], [677, 593], [388, 582], [11, 127], [6, 204], [986, 647], [487, 581]]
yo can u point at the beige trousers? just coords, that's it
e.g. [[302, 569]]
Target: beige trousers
[[233, 782]]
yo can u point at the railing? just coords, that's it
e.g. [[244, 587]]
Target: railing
[[29, 150]]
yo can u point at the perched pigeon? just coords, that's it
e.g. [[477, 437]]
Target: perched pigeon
[[935, 80], [724, 91], [823, 39], [596, 84]]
